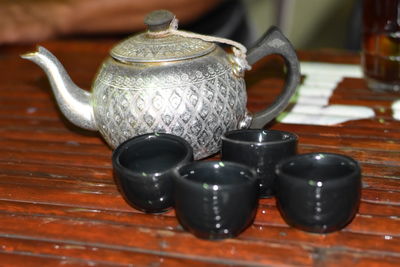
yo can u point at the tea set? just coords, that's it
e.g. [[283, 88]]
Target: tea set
[[165, 99], [217, 199]]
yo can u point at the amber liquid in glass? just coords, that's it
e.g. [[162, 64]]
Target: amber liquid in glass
[[381, 44]]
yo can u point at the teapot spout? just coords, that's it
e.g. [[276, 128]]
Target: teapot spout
[[73, 101]]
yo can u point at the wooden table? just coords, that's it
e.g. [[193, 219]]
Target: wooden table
[[59, 203]]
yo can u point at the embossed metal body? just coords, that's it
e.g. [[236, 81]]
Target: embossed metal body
[[198, 100], [165, 80]]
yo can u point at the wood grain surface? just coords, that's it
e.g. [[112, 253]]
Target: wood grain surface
[[59, 203]]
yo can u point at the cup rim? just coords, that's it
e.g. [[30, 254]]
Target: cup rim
[[252, 178], [356, 170], [292, 137], [127, 143]]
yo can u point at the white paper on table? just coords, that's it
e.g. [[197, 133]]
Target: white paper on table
[[312, 97], [396, 110], [326, 115]]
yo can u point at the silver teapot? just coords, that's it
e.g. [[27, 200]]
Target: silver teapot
[[167, 80]]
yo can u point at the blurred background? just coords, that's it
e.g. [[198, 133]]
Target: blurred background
[[309, 24]]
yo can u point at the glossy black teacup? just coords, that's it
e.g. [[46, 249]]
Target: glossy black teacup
[[318, 192], [216, 199], [261, 150], [144, 167]]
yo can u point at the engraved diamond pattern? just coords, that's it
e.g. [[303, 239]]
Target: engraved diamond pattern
[[196, 105]]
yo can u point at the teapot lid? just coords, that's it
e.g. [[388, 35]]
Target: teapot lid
[[158, 44]]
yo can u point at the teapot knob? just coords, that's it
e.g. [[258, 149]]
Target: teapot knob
[[159, 20]]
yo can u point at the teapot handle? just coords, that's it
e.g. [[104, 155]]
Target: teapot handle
[[274, 42]]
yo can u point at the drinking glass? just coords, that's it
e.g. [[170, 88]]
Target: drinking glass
[[381, 44]]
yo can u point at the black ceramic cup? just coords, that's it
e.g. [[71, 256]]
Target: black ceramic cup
[[318, 192], [144, 167], [216, 199], [261, 150]]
